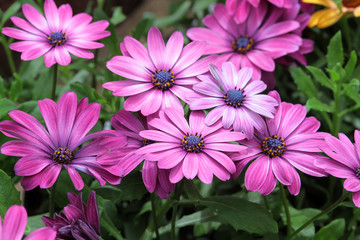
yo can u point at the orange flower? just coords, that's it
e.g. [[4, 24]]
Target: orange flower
[[332, 13]]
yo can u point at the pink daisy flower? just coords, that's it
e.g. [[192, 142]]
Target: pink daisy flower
[[236, 99], [56, 35], [14, 225], [44, 152], [190, 150], [78, 221], [240, 8], [254, 43], [155, 179], [290, 142], [344, 162], [159, 75]]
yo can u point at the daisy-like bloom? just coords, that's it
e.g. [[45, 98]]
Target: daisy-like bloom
[[56, 35], [44, 152], [240, 8], [78, 221], [159, 75], [128, 125], [236, 99], [190, 150], [344, 162], [14, 225], [255, 43], [332, 13], [290, 142]]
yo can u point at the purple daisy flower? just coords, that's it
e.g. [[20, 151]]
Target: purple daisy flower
[[56, 35], [14, 225], [78, 221], [155, 179], [159, 75], [190, 150], [235, 97], [344, 162], [44, 152], [255, 43], [290, 142]]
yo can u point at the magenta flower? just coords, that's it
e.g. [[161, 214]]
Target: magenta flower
[[56, 35], [78, 221], [14, 225], [190, 150], [155, 179], [290, 141], [159, 75], [344, 162], [235, 97], [44, 152], [255, 43]]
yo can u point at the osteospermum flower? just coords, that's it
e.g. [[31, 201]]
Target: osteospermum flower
[[344, 162], [332, 13], [190, 150], [78, 221], [236, 99], [14, 224], [159, 75], [255, 43], [240, 8], [128, 125], [56, 35], [44, 152], [290, 142]]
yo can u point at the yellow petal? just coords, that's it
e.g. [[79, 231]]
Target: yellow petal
[[317, 16], [326, 3], [330, 18], [357, 11]]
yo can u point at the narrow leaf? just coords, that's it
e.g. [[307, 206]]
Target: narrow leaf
[[304, 82], [335, 51]]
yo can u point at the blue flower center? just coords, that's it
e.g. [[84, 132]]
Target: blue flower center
[[163, 79], [57, 38], [146, 142], [62, 155], [234, 98], [243, 44], [357, 173], [192, 143], [273, 146]]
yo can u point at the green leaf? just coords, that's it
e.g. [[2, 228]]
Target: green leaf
[[352, 90], [118, 16], [6, 106], [335, 53], [8, 194], [143, 27], [241, 214], [175, 17], [15, 89], [315, 104], [2, 88], [304, 82], [332, 231], [108, 224], [350, 65], [10, 12], [200, 6], [321, 77], [33, 223]]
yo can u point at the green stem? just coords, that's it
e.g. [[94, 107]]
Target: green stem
[[153, 208], [54, 82], [346, 32], [336, 116], [325, 211], [8, 54], [52, 201], [95, 64], [286, 207], [267, 205], [177, 194]]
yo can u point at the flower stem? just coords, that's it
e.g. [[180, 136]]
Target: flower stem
[[267, 205], [325, 211], [286, 207], [52, 201], [95, 64], [153, 208], [54, 82], [177, 193], [8, 54]]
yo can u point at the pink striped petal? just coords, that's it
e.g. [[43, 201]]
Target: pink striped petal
[[170, 158], [352, 184], [214, 115], [128, 68], [216, 168], [49, 58], [75, 177], [50, 175], [209, 89], [276, 30], [176, 174], [282, 171], [191, 52], [66, 111], [14, 223], [222, 159], [196, 120], [305, 162], [204, 174], [127, 87], [149, 175], [173, 49], [52, 15], [49, 113], [32, 164], [137, 51], [36, 18], [25, 25], [225, 137], [166, 127], [42, 233], [261, 60], [62, 56], [209, 102], [159, 136], [294, 116], [269, 184], [156, 47], [257, 173], [153, 103], [190, 165], [65, 14], [22, 35], [79, 52], [225, 20], [81, 43], [35, 51]]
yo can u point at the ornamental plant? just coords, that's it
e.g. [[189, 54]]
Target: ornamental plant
[[235, 119]]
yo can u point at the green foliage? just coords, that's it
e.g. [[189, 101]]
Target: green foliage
[[335, 52], [8, 194], [332, 231]]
